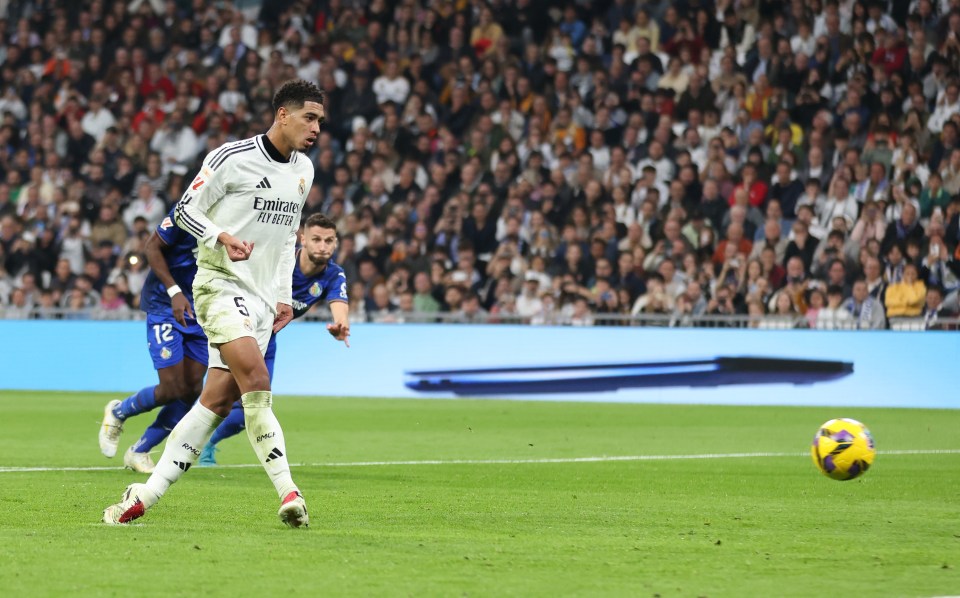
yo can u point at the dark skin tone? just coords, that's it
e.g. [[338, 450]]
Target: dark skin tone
[[184, 380]]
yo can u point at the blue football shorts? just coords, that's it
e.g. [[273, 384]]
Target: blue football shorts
[[169, 342]]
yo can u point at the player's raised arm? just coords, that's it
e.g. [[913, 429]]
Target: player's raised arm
[[206, 190], [155, 250], [340, 327], [339, 304]]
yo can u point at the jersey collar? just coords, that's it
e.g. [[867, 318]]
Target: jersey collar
[[272, 150]]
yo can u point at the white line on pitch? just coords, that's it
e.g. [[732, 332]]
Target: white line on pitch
[[602, 459]]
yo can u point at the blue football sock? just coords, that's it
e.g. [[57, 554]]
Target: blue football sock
[[141, 402], [231, 426], [168, 417]]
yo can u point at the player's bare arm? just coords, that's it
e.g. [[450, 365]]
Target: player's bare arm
[[340, 327], [155, 250]]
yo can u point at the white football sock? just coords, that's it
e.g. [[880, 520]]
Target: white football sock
[[266, 437], [183, 447]]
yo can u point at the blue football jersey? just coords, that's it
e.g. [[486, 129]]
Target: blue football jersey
[[331, 284], [181, 255]]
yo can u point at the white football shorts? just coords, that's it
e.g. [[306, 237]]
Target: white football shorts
[[226, 312]]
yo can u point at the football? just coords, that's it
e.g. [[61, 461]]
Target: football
[[843, 449]]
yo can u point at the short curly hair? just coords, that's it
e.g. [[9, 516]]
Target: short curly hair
[[320, 220], [293, 94]]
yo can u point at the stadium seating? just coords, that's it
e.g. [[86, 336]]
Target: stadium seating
[[728, 163]]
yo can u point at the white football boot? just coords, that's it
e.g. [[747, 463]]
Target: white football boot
[[137, 498], [293, 511], [110, 430], [139, 462]]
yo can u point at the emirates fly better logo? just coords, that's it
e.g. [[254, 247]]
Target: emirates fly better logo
[[275, 211]]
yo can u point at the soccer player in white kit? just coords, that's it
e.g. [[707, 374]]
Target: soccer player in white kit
[[244, 209]]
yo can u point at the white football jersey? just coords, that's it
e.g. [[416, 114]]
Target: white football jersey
[[243, 191]]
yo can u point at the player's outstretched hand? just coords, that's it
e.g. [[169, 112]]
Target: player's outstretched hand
[[284, 317], [180, 307], [237, 250], [341, 332]]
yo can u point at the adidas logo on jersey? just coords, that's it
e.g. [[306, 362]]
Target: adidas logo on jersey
[[264, 184]]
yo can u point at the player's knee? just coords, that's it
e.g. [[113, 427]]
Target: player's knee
[[258, 380], [174, 390], [219, 408]]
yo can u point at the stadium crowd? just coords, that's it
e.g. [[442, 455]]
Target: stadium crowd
[[795, 161]]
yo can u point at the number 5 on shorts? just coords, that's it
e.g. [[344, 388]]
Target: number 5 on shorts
[[238, 301]]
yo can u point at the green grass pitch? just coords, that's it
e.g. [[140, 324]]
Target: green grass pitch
[[721, 526]]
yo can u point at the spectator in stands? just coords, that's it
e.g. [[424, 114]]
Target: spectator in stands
[[936, 267], [18, 307], [950, 173], [816, 302], [786, 188], [873, 275], [784, 313], [867, 312], [147, 206], [734, 238], [98, 119], [933, 197], [108, 227], [840, 203], [756, 189], [935, 314], [895, 263], [580, 314], [569, 121], [904, 229], [907, 297], [875, 187], [379, 307], [471, 311], [154, 176], [803, 245], [528, 303], [725, 302], [870, 225], [391, 86], [112, 306], [423, 298], [834, 316]]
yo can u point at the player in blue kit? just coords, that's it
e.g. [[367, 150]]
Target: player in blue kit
[[315, 278], [178, 346]]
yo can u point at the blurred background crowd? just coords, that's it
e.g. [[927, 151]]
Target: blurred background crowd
[[796, 163]]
